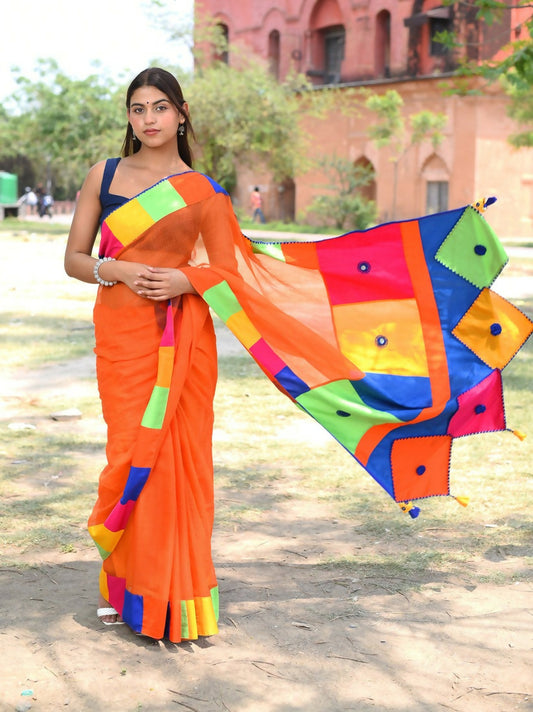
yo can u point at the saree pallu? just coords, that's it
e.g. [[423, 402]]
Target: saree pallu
[[390, 338]]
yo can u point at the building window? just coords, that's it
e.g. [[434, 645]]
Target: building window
[[436, 25], [222, 43], [436, 196], [273, 53], [333, 53], [383, 24]]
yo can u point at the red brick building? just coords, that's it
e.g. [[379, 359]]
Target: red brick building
[[391, 44]]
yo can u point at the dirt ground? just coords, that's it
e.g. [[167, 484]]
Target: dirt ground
[[293, 635]]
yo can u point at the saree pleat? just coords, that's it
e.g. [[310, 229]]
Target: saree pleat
[[162, 560]]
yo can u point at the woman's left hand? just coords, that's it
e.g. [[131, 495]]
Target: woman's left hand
[[162, 283]]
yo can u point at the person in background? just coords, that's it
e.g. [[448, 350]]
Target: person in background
[[39, 194], [45, 206], [30, 199], [256, 200]]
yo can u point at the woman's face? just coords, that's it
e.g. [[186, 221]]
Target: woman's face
[[154, 118]]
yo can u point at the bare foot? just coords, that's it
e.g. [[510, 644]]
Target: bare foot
[[109, 618]]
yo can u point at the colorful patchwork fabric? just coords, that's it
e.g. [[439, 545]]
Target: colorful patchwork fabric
[[412, 311]]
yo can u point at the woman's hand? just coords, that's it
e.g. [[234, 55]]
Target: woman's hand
[[161, 283]]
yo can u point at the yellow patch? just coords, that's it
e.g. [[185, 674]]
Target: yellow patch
[[244, 330], [382, 337]]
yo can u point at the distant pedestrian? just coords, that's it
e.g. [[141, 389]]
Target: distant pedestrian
[[30, 199], [39, 194], [257, 205], [45, 205]]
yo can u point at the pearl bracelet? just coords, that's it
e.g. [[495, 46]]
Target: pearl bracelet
[[96, 267]]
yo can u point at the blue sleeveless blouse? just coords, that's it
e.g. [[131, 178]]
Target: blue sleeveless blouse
[[109, 201]]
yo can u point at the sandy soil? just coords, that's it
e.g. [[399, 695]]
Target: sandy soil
[[294, 635]]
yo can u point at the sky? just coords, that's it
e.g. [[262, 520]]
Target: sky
[[122, 35]]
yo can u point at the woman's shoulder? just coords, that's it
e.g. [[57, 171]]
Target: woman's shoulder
[[97, 170]]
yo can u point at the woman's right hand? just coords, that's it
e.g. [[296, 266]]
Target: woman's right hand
[[122, 271]]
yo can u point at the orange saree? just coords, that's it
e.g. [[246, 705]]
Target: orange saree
[[157, 370]]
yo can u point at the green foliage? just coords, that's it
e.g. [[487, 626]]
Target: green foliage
[[391, 129], [63, 126], [515, 71], [390, 124], [345, 203], [427, 125], [244, 115]]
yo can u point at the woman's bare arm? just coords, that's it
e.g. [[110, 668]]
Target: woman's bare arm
[[154, 283]]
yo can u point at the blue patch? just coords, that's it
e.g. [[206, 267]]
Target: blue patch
[[291, 383], [216, 187], [402, 396], [136, 481], [132, 612], [434, 229]]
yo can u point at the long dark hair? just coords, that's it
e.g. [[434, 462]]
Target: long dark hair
[[169, 85]]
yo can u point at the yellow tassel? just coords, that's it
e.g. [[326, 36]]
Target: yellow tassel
[[463, 501], [519, 434], [479, 205]]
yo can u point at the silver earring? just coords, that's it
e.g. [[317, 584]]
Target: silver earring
[[133, 136], [181, 130]]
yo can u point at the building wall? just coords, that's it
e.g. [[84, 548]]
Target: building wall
[[475, 157]]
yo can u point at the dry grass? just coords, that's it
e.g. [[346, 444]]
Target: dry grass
[[266, 451]]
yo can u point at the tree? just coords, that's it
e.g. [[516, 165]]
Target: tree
[[63, 126], [391, 129], [345, 203], [244, 115], [240, 113], [514, 71]]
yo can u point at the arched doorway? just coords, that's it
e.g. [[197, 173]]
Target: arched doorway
[[222, 50], [286, 200], [368, 191], [328, 36], [273, 52]]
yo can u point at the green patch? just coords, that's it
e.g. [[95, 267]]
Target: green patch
[[472, 250]]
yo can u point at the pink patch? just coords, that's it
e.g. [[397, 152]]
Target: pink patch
[[116, 587], [365, 267], [480, 408], [266, 357], [117, 519], [168, 334], [109, 245]]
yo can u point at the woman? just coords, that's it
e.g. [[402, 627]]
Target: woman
[[156, 364], [169, 234], [346, 327]]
